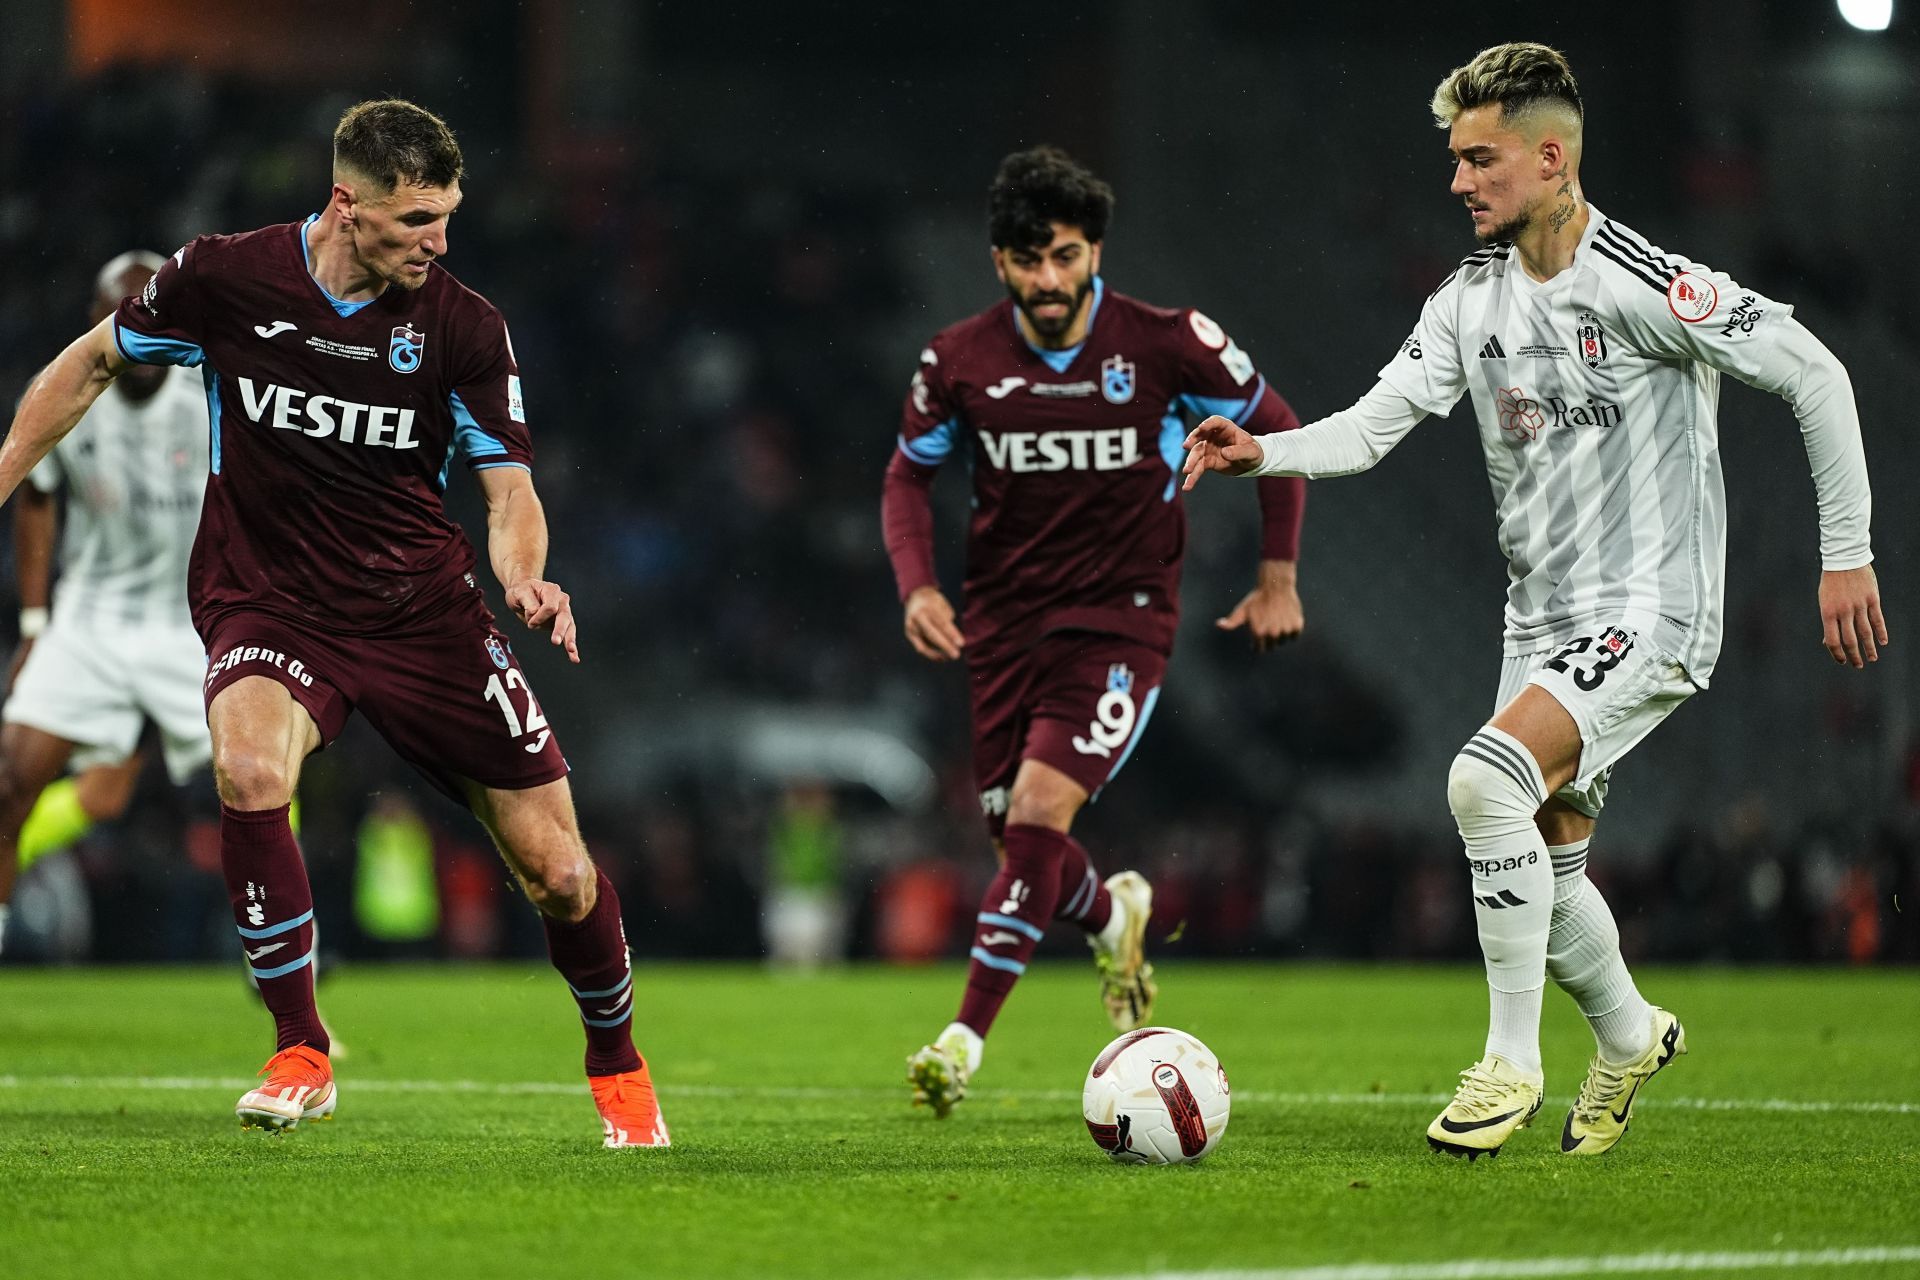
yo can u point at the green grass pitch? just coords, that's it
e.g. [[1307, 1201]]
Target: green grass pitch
[[466, 1144]]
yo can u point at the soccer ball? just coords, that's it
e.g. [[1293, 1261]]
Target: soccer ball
[[1156, 1096]]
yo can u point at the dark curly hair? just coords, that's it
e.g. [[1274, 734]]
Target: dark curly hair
[[391, 141], [1038, 187]]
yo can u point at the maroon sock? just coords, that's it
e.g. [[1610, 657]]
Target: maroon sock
[[1083, 896], [592, 957], [1013, 916], [273, 909]]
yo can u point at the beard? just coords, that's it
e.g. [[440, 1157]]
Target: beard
[[1049, 327], [1510, 230]]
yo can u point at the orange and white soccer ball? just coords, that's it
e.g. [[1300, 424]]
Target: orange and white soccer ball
[[1156, 1096]]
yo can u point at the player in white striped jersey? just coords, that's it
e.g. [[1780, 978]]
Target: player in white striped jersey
[[118, 647], [1593, 360]]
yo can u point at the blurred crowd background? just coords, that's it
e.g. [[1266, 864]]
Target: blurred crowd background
[[721, 234]]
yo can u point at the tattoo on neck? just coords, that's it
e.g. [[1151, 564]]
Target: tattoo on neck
[[1561, 216]]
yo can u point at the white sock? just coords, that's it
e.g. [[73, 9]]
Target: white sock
[[1109, 936], [1583, 955], [1494, 790], [975, 1046]]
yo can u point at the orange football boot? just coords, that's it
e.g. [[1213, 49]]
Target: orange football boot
[[299, 1087], [629, 1110]]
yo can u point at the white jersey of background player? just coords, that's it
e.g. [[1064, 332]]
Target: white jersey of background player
[[119, 647], [1593, 362]]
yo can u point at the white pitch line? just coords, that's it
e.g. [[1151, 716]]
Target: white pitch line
[[1618, 1264], [356, 1084]]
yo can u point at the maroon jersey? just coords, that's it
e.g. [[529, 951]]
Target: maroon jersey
[[334, 427], [1076, 455]]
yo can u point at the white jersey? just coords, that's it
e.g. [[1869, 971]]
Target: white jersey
[[135, 475], [1596, 394]]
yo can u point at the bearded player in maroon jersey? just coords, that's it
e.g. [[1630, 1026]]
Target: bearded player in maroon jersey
[[1073, 402], [345, 370]]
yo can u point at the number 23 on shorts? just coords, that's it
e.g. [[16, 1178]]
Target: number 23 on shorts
[[1588, 658]]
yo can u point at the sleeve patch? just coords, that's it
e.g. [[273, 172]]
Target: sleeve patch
[[516, 408], [1238, 362], [1209, 333], [1692, 298]]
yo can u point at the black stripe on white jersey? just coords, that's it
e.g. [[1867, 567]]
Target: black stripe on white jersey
[[1633, 268], [1478, 258], [1627, 238], [1660, 267]]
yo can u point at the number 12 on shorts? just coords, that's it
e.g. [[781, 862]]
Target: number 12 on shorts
[[535, 721]]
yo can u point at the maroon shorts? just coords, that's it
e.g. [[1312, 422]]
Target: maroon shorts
[[1077, 700], [452, 702]]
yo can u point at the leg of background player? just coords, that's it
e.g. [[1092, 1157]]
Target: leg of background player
[[30, 759], [71, 807], [1021, 900], [1044, 875], [539, 836]]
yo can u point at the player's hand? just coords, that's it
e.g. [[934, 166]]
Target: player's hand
[[1852, 626], [930, 627], [19, 661], [541, 605], [1218, 445], [1270, 612]]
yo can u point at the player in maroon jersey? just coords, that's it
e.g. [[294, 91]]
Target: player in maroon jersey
[[1073, 401], [345, 370]]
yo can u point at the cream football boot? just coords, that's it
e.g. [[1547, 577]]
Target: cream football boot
[[939, 1072], [1127, 987], [1604, 1108], [1494, 1101]]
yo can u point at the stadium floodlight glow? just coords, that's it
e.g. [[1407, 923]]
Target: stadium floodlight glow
[[1867, 15]]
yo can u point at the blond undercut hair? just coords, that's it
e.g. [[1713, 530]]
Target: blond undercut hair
[[1532, 83]]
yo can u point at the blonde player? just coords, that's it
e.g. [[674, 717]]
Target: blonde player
[[1594, 361]]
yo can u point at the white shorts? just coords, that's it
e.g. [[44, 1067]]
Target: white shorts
[[94, 686], [1615, 685]]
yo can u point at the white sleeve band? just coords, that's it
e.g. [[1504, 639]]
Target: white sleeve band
[[1343, 443], [1799, 369], [33, 620]]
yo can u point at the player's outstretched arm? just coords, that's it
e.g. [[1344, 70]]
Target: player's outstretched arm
[[57, 399], [517, 547], [1218, 445], [1851, 624]]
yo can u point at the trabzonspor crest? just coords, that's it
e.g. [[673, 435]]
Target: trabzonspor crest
[[1116, 379], [497, 651], [406, 348]]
